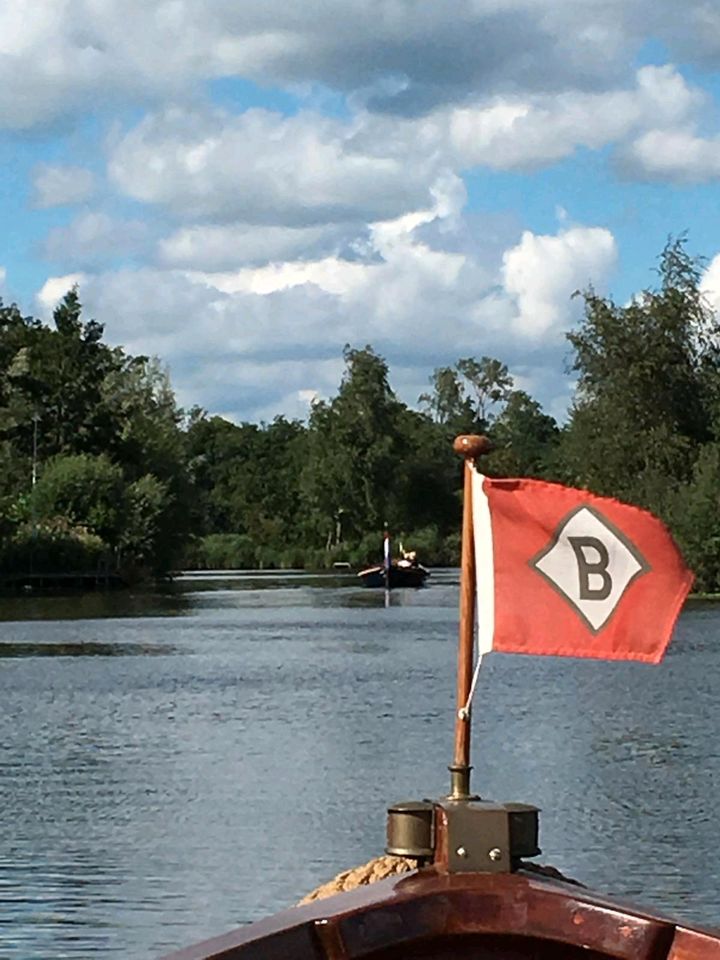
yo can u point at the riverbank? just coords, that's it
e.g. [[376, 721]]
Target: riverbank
[[32, 583]]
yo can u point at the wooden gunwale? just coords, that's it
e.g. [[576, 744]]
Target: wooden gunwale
[[426, 914]]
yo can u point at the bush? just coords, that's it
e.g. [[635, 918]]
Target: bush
[[87, 490], [223, 551], [51, 547]]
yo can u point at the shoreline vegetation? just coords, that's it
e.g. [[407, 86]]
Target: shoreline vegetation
[[103, 476]]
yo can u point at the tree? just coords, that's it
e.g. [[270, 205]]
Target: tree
[[247, 480], [647, 387], [424, 493], [67, 369], [355, 443], [18, 334], [448, 404], [87, 490], [524, 438], [79, 413], [695, 518], [143, 539], [490, 382], [149, 443]]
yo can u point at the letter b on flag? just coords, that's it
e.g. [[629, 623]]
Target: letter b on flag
[[591, 570]]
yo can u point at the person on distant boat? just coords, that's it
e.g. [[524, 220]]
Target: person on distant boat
[[409, 559]]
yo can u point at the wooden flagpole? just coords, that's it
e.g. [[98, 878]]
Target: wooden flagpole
[[470, 447]]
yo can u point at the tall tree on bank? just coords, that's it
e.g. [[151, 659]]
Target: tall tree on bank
[[448, 403], [465, 396], [477, 396], [247, 477], [524, 439], [355, 447], [489, 383], [68, 366], [648, 387], [82, 418]]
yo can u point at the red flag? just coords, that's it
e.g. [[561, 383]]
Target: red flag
[[564, 572]]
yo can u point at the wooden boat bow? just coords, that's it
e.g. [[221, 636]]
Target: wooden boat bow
[[427, 915]]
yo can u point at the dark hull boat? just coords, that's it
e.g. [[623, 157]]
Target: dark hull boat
[[400, 576], [431, 916], [473, 895]]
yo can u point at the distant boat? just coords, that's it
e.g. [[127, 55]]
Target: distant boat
[[405, 572], [401, 574]]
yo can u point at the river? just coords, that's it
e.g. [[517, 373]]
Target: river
[[176, 764]]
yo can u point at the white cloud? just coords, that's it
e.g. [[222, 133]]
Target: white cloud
[[221, 247], [541, 273], [294, 175], [242, 383], [95, 237], [259, 341], [405, 57], [402, 57], [261, 167], [55, 186], [676, 155], [710, 283], [271, 238], [549, 128], [523, 132], [55, 288]]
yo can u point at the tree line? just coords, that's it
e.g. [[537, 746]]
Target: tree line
[[99, 467]]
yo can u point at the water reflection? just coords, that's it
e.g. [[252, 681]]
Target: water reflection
[[85, 649], [136, 787], [168, 602]]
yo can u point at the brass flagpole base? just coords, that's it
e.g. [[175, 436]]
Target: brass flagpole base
[[460, 782]]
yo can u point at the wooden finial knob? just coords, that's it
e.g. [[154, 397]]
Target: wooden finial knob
[[471, 446]]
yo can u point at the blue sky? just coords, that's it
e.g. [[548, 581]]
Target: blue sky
[[241, 189]]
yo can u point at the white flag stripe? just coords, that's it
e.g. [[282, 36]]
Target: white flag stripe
[[484, 565]]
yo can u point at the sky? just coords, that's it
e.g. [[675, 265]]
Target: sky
[[242, 188]]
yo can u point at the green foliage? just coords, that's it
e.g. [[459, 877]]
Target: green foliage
[[50, 547], [694, 515], [98, 465], [147, 507], [101, 433], [224, 551], [466, 396], [354, 446], [448, 404], [86, 490], [644, 426], [524, 439], [647, 386], [246, 476], [489, 382]]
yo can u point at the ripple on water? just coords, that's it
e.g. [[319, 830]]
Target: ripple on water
[[186, 762]]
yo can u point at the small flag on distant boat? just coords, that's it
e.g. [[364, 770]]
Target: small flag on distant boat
[[564, 572]]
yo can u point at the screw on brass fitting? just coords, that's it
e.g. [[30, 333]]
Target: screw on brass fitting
[[475, 836]]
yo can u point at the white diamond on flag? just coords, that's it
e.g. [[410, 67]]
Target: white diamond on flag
[[590, 563]]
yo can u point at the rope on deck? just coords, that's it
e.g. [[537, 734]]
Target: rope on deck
[[377, 869], [386, 866]]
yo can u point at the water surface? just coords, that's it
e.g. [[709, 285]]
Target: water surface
[[175, 764]]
